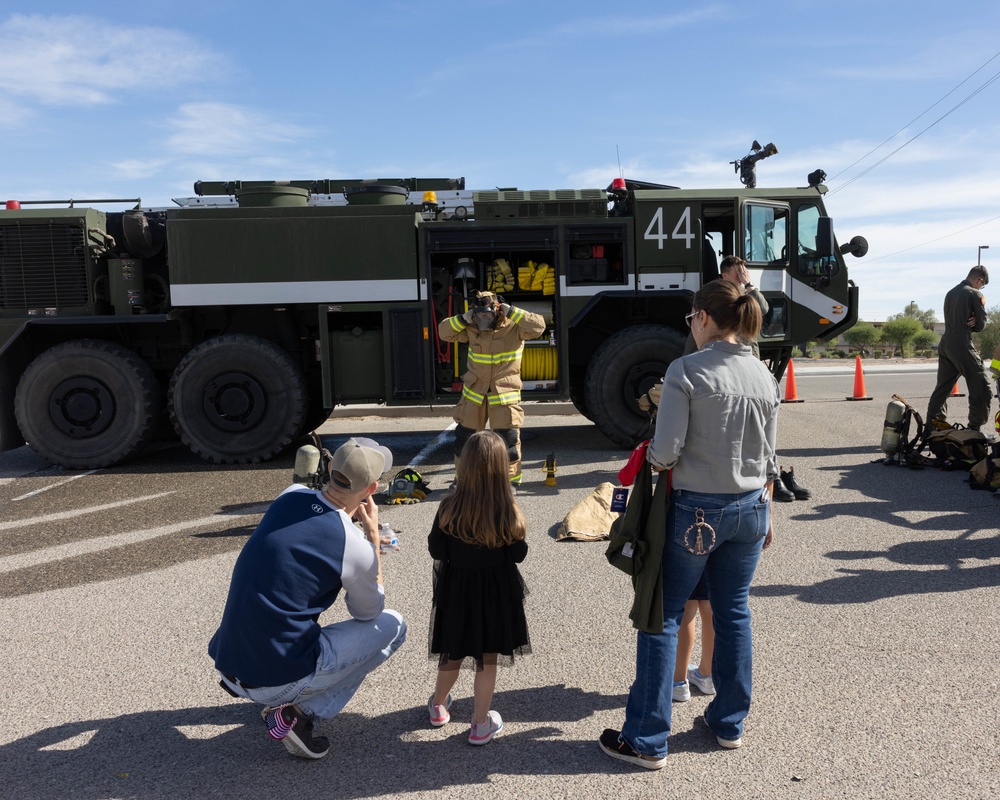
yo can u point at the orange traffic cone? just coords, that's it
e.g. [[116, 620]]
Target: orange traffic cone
[[791, 395], [859, 381], [955, 392]]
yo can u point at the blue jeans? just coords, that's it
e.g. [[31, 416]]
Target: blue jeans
[[349, 650], [739, 523]]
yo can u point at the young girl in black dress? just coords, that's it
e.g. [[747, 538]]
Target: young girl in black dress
[[477, 540]]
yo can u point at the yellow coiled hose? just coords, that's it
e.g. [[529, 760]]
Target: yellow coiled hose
[[539, 363]]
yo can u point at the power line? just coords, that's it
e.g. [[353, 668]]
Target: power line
[[908, 124], [988, 83], [932, 241]]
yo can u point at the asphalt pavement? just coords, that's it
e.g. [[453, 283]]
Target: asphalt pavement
[[876, 655]]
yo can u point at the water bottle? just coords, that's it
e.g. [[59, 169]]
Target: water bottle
[[388, 538]]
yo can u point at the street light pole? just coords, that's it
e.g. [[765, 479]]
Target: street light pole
[[979, 256]]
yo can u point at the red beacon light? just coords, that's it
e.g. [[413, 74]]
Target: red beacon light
[[618, 184], [13, 205]]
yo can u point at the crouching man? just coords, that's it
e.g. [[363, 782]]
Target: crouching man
[[270, 647]]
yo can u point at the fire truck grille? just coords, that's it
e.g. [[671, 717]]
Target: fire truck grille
[[42, 265]]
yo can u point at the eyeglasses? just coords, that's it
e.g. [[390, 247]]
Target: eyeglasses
[[687, 319]]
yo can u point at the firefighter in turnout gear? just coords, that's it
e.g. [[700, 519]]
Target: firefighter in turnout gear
[[495, 333]]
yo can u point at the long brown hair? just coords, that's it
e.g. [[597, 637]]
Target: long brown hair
[[730, 309], [481, 509]]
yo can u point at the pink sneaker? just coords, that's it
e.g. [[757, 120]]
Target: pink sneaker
[[439, 714], [483, 734]]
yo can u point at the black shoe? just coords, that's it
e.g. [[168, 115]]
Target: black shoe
[[611, 743], [781, 494], [800, 491], [293, 728]]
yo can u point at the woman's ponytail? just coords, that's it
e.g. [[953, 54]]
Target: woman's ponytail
[[748, 317], [731, 309]]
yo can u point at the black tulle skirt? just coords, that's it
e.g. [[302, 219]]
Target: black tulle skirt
[[478, 610]]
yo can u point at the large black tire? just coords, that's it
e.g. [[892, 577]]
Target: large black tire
[[576, 398], [87, 404], [621, 371], [316, 414], [237, 399], [577, 390]]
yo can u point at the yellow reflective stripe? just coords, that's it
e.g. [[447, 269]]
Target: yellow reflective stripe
[[495, 358], [505, 398], [457, 324], [473, 396], [516, 315]]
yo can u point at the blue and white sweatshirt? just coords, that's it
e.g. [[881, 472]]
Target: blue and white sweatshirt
[[291, 569]]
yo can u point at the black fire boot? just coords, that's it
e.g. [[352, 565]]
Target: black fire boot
[[800, 491], [781, 494]]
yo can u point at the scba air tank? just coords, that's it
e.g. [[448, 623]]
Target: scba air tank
[[892, 431]]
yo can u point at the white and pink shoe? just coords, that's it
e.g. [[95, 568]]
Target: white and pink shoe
[[439, 714], [484, 733]]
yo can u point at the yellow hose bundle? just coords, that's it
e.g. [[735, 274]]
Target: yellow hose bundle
[[525, 275], [538, 281], [501, 279]]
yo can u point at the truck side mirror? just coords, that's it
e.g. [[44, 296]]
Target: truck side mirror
[[857, 247], [824, 237]]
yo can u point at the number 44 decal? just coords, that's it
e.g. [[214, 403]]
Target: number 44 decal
[[682, 230]]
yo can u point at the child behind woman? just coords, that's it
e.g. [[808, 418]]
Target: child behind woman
[[477, 540], [701, 675]]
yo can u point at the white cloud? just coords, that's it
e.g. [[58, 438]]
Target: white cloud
[[137, 168], [622, 25], [227, 130], [218, 141], [81, 61], [960, 54], [13, 116]]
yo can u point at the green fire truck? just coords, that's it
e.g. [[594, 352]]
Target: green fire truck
[[238, 319]]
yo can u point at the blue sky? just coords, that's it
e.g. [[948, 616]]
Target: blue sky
[[117, 99]]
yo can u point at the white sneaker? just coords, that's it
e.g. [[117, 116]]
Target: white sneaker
[[729, 744], [703, 682], [482, 734], [682, 692]]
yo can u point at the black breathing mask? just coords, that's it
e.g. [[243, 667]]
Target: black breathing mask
[[485, 314]]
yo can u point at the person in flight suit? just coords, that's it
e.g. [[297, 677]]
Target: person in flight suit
[[964, 314], [495, 332]]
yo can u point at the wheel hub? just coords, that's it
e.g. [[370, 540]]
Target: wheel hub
[[640, 379], [81, 407], [234, 401]]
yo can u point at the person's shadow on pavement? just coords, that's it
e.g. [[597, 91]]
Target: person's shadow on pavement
[[224, 751]]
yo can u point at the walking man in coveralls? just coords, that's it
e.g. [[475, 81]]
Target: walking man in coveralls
[[964, 314]]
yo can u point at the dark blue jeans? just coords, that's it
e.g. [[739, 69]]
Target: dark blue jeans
[[725, 546]]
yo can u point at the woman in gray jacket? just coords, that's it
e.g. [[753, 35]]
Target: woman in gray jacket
[[719, 442]]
